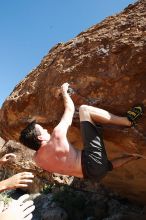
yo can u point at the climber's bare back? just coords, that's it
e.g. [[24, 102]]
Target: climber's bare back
[[59, 156]]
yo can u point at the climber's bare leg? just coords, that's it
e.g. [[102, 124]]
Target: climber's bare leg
[[92, 114]]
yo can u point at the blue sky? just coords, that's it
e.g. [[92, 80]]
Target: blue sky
[[29, 28]]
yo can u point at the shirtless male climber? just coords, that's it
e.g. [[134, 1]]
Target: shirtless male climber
[[55, 154]]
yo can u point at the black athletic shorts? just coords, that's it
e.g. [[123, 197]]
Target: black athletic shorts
[[95, 163]]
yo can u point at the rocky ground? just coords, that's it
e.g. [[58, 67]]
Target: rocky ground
[[67, 203]]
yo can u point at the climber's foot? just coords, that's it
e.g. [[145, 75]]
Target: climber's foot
[[134, 114]]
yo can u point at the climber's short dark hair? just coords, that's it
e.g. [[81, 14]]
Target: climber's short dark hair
[[29, 136]]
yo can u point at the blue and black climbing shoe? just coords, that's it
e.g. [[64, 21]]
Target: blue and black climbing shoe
[[134, 114]]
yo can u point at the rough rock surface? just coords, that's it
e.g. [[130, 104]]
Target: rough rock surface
[[2, 142], [106, 67]]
